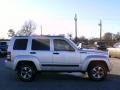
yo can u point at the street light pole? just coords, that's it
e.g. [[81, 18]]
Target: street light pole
[[75, 18], [100, 24], [41, 29]]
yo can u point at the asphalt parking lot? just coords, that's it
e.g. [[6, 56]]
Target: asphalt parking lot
[[64, 81]]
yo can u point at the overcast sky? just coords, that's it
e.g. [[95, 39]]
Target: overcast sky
[[57, 16]]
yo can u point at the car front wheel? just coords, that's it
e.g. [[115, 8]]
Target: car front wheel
[[97, 71]]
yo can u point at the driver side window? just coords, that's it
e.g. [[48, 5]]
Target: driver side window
[[62, 45]]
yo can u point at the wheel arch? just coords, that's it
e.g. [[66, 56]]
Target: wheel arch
[[31, 60], [25, 62], [88, 62], [98, 62]]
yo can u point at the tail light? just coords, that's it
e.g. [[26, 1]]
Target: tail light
[[9, 56]]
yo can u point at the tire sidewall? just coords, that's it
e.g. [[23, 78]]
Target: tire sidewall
[[19, 73], [93, 66]]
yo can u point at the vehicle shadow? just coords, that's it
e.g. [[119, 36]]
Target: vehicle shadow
[[70, 77], [114, 77], [58, 81], [59, 76], [65, 77]]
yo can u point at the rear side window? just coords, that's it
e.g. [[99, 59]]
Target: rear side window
[[41, 44], [20, 44]]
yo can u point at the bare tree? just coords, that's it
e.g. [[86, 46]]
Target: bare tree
[[117, 37], [70, 36], [27, 29], [108, 38], [83, 39], [11, 33], [93, 40]]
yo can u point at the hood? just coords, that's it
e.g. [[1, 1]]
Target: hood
[[93, 51]]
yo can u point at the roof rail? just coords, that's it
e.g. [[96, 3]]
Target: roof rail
[[42, 36]]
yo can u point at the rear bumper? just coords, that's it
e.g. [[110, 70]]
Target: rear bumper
[[9, 65], [3, 52]]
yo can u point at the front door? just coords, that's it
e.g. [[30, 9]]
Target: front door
[[65, 57]]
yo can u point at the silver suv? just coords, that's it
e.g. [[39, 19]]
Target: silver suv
[[27, 55]]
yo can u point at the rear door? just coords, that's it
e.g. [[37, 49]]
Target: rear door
[[40, 48]]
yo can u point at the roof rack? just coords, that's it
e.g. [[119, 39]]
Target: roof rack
[[42, 36]]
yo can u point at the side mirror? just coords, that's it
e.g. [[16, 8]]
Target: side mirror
[[79, 45]]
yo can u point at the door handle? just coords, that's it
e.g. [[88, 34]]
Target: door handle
[[32, 52], [55, 53]]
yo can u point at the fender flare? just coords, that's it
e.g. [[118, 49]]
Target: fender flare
[[92, 58], [33, 59]]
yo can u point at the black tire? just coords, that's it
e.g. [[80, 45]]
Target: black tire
[[26, 72], [97, 71]]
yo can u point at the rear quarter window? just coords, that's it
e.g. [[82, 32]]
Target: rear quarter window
[[20, 44]]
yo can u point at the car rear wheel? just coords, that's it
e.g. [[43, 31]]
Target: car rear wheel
[[26, 72], [97, 71]]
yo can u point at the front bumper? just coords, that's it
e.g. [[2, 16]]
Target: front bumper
[[109, 64]]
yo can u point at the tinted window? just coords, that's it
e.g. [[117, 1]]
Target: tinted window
[[62, 45], [20, 44], [3, 43], [40, 44]]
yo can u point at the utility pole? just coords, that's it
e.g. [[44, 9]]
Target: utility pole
[[75, 18], [100, 24], [41, 29]]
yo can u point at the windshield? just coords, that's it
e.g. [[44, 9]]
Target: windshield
[[75, 46]]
